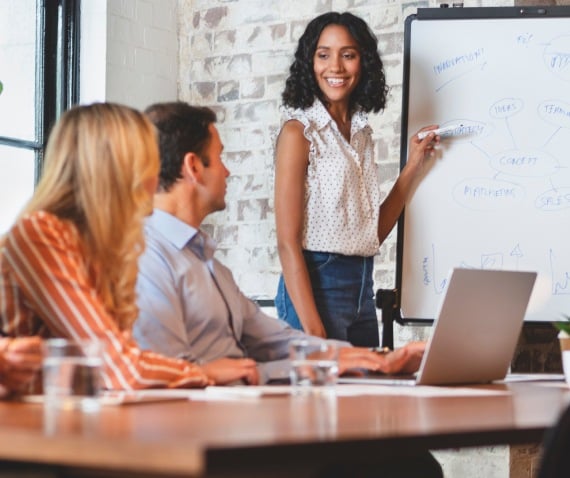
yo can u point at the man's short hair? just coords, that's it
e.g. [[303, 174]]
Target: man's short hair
[[182, 129]]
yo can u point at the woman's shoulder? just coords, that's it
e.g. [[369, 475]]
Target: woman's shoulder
[[45, 227], [303, 124], [314, 116], [289, 114]]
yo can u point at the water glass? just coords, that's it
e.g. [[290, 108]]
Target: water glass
[[314, 365], [71, 374]]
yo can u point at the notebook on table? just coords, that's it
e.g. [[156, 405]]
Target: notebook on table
[[475, 330]]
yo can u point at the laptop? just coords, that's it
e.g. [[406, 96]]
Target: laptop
[[475, 331]]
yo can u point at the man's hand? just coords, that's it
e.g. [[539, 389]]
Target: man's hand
[[406, 359], [227, 370], [20, 359]]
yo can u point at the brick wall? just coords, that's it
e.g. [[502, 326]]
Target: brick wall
[[129, 51]]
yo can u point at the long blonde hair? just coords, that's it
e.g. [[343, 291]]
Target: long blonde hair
[[99, 160]]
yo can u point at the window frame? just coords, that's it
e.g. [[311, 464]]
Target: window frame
[[57, 72]]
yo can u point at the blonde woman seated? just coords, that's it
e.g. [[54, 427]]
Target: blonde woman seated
[[68, 266]]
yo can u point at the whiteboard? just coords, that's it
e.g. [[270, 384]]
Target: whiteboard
[[497, 196]]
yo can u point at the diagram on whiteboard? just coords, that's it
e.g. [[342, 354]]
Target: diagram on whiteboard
[[498, 194]]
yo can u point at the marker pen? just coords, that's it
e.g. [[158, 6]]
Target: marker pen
[[439, 131]]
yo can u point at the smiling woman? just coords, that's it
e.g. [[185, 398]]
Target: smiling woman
[[330, 219], [336, 66]]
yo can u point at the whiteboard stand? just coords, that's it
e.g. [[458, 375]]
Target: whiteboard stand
[[387, 303]]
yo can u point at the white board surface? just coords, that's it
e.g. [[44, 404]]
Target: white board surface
[[498, 194]]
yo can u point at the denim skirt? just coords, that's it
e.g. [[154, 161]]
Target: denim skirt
[[343, 289]]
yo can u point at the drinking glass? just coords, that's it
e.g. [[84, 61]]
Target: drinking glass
[[314, 365], [71, 374]]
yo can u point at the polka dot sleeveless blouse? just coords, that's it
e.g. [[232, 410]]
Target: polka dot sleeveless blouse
[[342, 192]]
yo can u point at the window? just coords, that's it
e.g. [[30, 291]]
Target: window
[[39, 79]]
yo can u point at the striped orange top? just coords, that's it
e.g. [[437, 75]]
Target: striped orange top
[[45, 290]]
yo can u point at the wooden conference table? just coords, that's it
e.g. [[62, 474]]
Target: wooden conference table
[[270, 435]]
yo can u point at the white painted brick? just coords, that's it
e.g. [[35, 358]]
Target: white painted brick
[[129, 8], [144, 61], [270, 62], [129, 60], [254, 138], [247, 186], [255, 112], [165, 15], [198, 4], [239, 66], [160, 89], [166, 66], [144, 12], [254, 234], [201, 46], [387, 19], [204, 93], [228, 90], [254, 286], [216, 68], [224, 41], [250, 38], [253, 11], [159, 40], [114, 7], [252, 88], [119, 29], [275, 85], [136, 33], [244, 162], [242, 139], [252, 210]]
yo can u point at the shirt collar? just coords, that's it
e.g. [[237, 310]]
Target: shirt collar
[[180, 234], [319, 115]]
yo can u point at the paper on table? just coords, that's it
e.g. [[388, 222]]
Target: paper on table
[[216, 393], [249, 392], [126, 398], [141, 396], [417, 391], [240, 392]]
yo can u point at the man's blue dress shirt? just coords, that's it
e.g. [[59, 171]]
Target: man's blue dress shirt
[[182, 313]]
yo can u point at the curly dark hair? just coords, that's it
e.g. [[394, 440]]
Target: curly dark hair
[[301, 87], [181, 129]]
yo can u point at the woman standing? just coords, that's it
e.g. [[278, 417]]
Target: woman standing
[[68, 266], [330, 220]]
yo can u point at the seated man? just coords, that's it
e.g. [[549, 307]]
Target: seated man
[[190, 306]]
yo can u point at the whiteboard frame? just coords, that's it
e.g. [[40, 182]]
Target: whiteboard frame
[[427, 14]]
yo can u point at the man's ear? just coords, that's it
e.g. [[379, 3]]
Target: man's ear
[[192, 167]]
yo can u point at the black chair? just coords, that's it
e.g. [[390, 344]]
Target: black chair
[[555, 460]]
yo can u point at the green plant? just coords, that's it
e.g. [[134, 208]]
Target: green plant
[[1, 87], [564, 326]]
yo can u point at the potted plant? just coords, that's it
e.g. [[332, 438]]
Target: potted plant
[[564, 333], [564, 339]]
